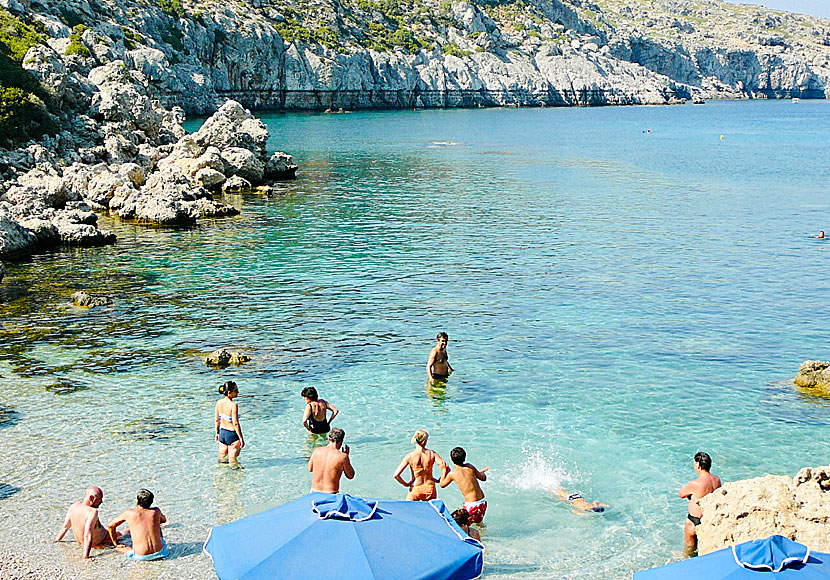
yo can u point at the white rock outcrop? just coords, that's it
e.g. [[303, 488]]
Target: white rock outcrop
[[795, 507]]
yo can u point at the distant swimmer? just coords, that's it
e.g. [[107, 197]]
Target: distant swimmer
[[820, 235], [438, 365], [421, 484], [466, 477], [82, 519], [462, 518], [580, 504], [316, 417], [144, 522], [328, 464], [705, 484], [228, 431]]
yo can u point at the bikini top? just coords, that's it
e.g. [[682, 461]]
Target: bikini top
[[224, 417]]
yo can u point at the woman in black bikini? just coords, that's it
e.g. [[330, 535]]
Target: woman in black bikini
[[315, 417]]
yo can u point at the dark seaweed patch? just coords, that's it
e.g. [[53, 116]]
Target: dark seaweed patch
[[6, 491], [151, 428], [8, 417], [65, 388]]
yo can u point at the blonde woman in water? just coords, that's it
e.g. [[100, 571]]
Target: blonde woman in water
[[228, 431], [420, 462]]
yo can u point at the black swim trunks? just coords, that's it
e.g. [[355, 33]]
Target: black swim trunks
[[227, 437], [694, 519]]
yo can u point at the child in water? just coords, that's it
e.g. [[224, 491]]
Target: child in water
[[228, 431], [462, 518], [580, 505]]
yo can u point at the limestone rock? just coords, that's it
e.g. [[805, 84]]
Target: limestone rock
[[209, 178], [41, 186], [797, 508], [14, 238], [224, 357], [243, 163], [236, 184], [280, 166], [813, 374], [234, 126], [84, 300]]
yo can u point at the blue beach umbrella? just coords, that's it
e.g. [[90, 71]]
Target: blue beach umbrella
[[361, 539], [772, 558]]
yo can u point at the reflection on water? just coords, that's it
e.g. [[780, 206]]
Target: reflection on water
[[228, 502]]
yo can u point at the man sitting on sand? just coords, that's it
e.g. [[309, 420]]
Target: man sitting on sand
[[438, 365], [327, 464], [462, 518], [145, 522], [466, 477], [82, 518], [580, 504], [705, 484]]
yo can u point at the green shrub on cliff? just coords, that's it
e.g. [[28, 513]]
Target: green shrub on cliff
[[76, 45], [22, 112], [172, 7]]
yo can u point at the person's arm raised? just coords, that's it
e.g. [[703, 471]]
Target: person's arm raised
[[481, 475], [446, 477], [348, 469]]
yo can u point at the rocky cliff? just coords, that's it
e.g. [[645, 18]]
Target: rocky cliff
[[382, 53], [99, 88], [794, 507]]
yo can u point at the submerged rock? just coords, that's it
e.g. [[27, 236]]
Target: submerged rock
[[797, 508], [14, 238], [236, 184], [280, 166], [814, 374], [224, 357], [84, 300]]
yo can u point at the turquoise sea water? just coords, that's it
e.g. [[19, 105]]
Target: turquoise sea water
[[616, 300]]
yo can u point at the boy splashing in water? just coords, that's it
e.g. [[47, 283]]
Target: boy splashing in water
[[466, 477]]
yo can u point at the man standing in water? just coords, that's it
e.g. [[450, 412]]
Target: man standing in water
[[328, 464], [438, 366], [705, 484], [82, 518]]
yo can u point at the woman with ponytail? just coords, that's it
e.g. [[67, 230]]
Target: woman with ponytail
[[228, 431]]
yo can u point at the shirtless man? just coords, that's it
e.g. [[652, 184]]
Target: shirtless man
[[705, 484], [420, 462], [82, 518], [329, 463], [438, 366], [145, 522], [466, 477]]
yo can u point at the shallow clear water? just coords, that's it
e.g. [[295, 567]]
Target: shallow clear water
[[616, 300]]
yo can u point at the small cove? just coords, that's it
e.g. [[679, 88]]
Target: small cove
[[616, 300]]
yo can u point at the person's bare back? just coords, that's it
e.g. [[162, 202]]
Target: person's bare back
[[705, 484], [144, 522], [82, 519], [466, 477], [328, 464]]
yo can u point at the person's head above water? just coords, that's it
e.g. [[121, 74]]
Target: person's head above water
[[442, 336], [144, 498], [703, 460], [336, 436], [461, 517], [309, 393], [420, 438], [458, 455], [228, 387]]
